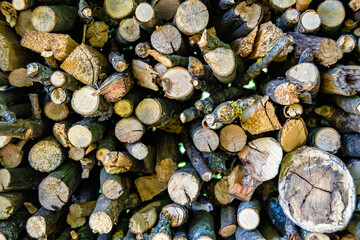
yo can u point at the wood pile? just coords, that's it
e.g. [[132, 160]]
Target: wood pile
[[169, 119]]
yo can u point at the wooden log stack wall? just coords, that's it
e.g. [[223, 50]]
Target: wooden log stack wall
[[169, 119]]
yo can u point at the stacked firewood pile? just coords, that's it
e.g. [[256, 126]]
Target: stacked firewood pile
[[124, 119]]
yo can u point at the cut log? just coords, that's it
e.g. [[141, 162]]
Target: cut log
[[293, 110], [138, 150], [162, 230], [56, 112], [190, 114], [65, 80], [146, 15], [149, 186], [60, 18], [128, 31], [87, 164], [19, 179], [332, 15], [76, 153], [177, 214], [176, 83], [293, 134], [106, 145], [288, 19], [145, 75], [166, 9], [12, 154], [10, 203], [184, 185], [23, 22], [262, 158], [204, 139], [20, 5], [269, 232], [310, 184], [83, 209], [11, 229], [353, 166], [116, 86], [154, 111], [56, 189], [325, 138], [201, 226], [248, 216], [221, 191], [97, 34], [60, 95], [113, 185], [85, 12], [75, 222], [282, 92], [169, 60], [142, 49], [222, 62], [118, 9], [353, 226], [346, 43], [18, 78], [120, 162], [309, 22], [118, 61], [228, 221], [129, 130], [85, 132], [281, 5], [126, 106], [167, 39]]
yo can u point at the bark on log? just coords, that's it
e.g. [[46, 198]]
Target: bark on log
[[162, 230], [129, 130], [12, 154], [204, 139], [349, 145], [190, 114], [83, 209], [232, 138], [11, 229], [227, 221], [116, 86], [169, 60], [23, 22], [113, 185], [146, 15], [282, 91], [202, 226], [337, 189], [85, 132], [244, 46], [138, 150], [155, 111], [10, 203], [106, 145], [335, 9], [65, 80], [288, 19], [19, 179], [325, 138], [346, 43], [309, 22], [248, 216], [177, 214]]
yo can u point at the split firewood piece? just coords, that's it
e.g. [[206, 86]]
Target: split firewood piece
[[115, 86], [95, 106], [177, 214], [118, 61], [9, 12], [145, 75], [191, 17], [142, 49], [341, 80], [12, 227], [243, 46], [60, 18], [10, 203], [39, 73], [293, 134], [56, 189], [46, 155], [204, 139], [309, 22], [126, 106], [120, 162], [12, 154], [43, 222], [166, 9], [113, 185], [354, 5], [138, 150], [332, 15], [85, 132], [342, 121], [162, 230], [118, 9], [149, 186], [14, 179], [61, 45], [155, 111], [86, 64], [288, 19], [128, 31], [260, 117], [106, 213], [227, 221], [353, 166], [83, 209], [202, 226], [308, 184], [97, 34], [240, 20], [281, 5], [146, 15], [60, 132], [197, 160], [325, 50], [18, 78], [282, 91], [198, 70], [146, 217], [65, 80], [221, 191], [262, 158], [346, 43], [129, 130], [169, 60], [232, 138], [349, 145], [242, 234], [184, 185], [87, 164], [190, 114], [167, 156], [325, 138], [167, 39], [14, 56], [176, 83], [4, 140], [248, 216]]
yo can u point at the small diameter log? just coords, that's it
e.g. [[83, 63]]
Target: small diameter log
[[106, 213], [46, 155], [95, 105], [282, 92], [129, 130], [337, 189], [21, 129], [349, 104], [346, 43], [65, 80], [190, 114], [60, 96], [154, 111], [293, 110], [39, 73], [138, 150], [9, 203], [248, 216], [126, 106], [85, 132], [162, 230], [145, 75], [83, 209], [201, 226], [61, 45], [149, 186], [169, 60], [325, 50], [20, 5], [142, 49], [56, 112], [309, 22], [76, 153], [167, 156], [119, 162], [106, 145], [191, 17], [293, 134], [242, 234], [56, 189], [262, 158], [14, 179], [332, 15], [19, 78], [146, 217], [113, 185], [167, 39], [87, 164], [60, 132], [12, 227], [128, 31], [288, 19], [204, 139], [85, 64], [118, 9], [325, 138], [177, 214], [176, 83], [184, 185], [43, 222], [354, 166], [227, 221], [12, 154], [243, 46], [115, 86], [260, 117], [350, 145], [60, 18], [342, 121], [118, 61], [85, 12], [146, 15]]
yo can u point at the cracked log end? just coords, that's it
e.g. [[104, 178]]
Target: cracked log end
[[316, 191], [53, 193]]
